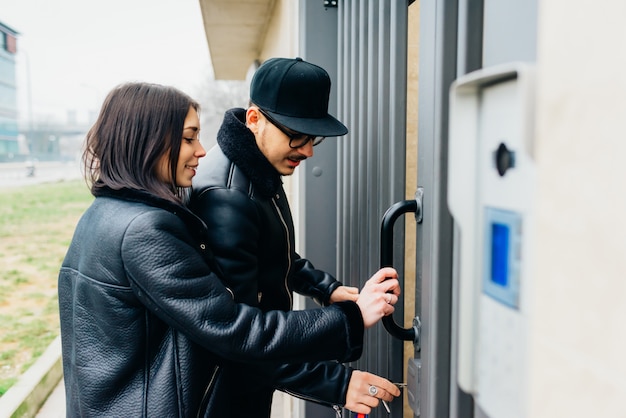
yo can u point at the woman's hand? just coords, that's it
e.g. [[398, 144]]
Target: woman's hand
[[378, 296]]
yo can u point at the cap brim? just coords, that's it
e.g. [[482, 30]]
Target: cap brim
[[326, 126]]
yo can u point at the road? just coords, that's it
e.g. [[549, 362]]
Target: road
[[16, 174]]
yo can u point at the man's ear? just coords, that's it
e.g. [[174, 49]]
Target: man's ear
[[252, 119]]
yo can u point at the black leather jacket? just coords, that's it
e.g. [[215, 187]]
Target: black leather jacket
[[239, 194], [147, 326]]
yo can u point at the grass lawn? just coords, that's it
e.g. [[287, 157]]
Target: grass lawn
[[36, 226]]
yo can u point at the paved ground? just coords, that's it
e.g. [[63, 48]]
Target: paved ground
[[55, 405]]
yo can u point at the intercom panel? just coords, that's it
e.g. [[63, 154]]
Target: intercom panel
[[490, 195]]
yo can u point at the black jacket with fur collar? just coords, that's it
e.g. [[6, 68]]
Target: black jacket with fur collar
[[239, 195], [146, 324]]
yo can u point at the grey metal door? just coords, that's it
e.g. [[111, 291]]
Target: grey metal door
[[363, 44], [362, 174]]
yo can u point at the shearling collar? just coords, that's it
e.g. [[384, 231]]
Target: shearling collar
[[239, 145], [140, 196], [196, 226]]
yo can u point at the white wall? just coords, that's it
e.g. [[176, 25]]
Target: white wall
[[281, 40], [578, 345]]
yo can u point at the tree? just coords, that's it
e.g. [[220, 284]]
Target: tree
[[215, 98]]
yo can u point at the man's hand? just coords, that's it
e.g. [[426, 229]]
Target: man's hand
[[344, 293], [361, 399], [378, 296]]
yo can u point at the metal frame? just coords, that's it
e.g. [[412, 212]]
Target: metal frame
[[470, 55], [438, 58], [318, 181]]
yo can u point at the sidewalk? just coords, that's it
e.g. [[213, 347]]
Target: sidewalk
[[55, 404], [54, 407], [26, 396]]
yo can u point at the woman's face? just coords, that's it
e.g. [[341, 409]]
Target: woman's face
[[191, 150]]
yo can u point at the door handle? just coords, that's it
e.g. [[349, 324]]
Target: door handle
[[386, 257]]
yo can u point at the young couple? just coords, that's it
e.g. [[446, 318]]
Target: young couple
[[176, 300]]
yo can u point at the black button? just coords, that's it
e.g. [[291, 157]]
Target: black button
[[505, 159]]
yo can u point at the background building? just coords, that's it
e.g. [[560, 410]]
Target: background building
[[10, 146], [30, 137]]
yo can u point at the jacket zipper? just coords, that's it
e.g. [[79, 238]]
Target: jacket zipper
[[282, 220], [205, 397], [337, 408]]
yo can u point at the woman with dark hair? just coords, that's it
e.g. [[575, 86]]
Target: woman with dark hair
[[145, 320]]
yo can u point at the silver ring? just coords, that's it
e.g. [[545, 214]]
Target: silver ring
[[373, 390]]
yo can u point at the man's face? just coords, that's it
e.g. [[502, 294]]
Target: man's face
[[274, 143]]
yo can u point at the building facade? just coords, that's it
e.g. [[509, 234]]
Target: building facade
[[9, 144]]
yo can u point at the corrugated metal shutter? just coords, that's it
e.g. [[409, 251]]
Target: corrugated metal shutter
[[372, 42]]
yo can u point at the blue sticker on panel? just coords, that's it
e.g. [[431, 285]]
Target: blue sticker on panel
[[501, 256]]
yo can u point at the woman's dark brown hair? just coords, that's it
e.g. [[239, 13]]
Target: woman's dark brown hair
[[137, 125]]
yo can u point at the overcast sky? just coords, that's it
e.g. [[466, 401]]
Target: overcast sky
[[75, 51]]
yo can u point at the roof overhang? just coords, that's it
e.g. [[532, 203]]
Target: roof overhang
[[235, 31]]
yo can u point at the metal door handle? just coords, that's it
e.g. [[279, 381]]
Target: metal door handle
[[386, 256]]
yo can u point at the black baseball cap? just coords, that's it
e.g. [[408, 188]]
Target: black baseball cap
[[295, 94]]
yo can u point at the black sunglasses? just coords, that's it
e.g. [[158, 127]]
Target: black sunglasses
[[296, 139]]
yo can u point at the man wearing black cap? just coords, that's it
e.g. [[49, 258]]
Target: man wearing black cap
[[238, 193]]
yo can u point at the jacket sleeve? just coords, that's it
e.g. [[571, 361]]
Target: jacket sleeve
[[170, 277], [309, 281], [322, 382]]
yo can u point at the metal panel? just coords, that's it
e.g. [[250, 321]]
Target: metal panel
[[319, 180], [369, 163], [510, 31], [437, 60], [353, 180], [372, 79], [469, 58]]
